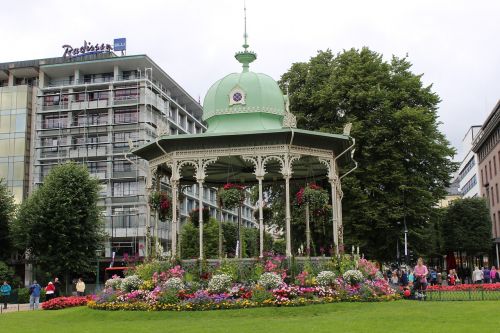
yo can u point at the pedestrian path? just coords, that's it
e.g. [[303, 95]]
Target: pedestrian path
[[16, 308]]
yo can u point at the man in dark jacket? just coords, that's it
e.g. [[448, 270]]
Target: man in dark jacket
[[57, 285]]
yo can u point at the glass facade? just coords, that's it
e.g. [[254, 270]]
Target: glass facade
[[15, 103]]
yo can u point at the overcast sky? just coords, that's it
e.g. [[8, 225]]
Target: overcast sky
[[453, 43]]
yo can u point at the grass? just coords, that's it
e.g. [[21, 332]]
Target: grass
[[400, 316]]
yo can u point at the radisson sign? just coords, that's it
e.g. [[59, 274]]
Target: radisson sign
[[86, 49]]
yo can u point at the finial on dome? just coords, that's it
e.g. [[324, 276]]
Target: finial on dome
[[245, 57]]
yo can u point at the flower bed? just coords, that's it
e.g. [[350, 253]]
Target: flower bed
[[464, 292], [65, 302], [466, 287], [273, 286]]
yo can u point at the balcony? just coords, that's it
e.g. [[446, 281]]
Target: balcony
[[87, 152]]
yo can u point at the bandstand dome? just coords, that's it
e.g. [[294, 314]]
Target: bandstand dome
[[251, 138]]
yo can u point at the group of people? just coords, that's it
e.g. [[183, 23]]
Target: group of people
[[485, 275], [413, 276], [52, 290]]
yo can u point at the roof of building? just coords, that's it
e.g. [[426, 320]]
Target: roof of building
[[488, 127]]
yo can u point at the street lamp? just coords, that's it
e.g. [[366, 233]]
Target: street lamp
[[98, 253]]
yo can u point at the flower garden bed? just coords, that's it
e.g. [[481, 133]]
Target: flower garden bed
[[155, 289], [464, 292], [65, 302]]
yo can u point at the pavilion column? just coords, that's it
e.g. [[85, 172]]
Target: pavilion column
[[287, 216], [308, 232], [174, 183], [334, 215], [200, 214], [261, 218], [340, 226]]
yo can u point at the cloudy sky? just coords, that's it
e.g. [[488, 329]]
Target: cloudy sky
[[453, 43]]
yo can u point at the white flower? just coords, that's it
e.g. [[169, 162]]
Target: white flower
[[219, 283], [115, 283], [270, 280], [353, 276], [130, 283], [326, 278], [174, 283]]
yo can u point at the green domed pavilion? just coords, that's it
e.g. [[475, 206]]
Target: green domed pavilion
[[251, 138]]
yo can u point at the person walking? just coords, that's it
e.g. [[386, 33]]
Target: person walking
[[80, 287], [486, 274], [49, 291], [5, 290], [477, 276], [35, 291], [493, 274], [57, 285]]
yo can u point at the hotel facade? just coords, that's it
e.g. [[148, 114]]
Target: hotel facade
[[90, 109]]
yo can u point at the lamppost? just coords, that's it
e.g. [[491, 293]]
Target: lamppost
[[406, 240], [98, 253]]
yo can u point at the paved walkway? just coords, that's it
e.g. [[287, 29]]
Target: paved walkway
[[16, 308]]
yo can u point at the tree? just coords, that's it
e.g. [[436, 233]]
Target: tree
[[60, 224], [7, 210], [404, 160], [467, 226]]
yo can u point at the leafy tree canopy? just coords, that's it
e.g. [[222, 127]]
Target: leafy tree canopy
[[60, 224], [404, 160], [467, 226], [7, 210]]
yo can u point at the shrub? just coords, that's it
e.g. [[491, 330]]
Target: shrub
[[145, 271], [219, 283], [260, 295], [353, 276], [174, 283], [132, 282], [325, 278], [169, 296], [228, 268], [22, 296], [270, 280]]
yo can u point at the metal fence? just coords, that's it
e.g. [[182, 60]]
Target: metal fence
[[463, 295]]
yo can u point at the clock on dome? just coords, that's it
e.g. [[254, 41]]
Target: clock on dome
[[236, 96]]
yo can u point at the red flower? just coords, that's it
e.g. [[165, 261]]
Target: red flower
[[65, 302]]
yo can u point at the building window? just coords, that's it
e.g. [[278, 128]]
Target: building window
[[492, 197], [98, 95], [125, 94], [495, 164], [124, 189], [121, 138], [491, 173], [97, 167], [54, 121], [486, 174], [126, 116], [122, 166], [495, 223]]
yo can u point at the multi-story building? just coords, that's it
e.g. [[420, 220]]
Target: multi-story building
[[89, 109], [487, 147], [467, 174]]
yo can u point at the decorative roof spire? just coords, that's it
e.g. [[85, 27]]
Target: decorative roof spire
[[245, 57]]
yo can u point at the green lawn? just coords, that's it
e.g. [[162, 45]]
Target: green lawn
[[401, 316]]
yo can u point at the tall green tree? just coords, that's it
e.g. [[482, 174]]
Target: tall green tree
[[404, 160], [60, 224], [7, 210], [467, 226]]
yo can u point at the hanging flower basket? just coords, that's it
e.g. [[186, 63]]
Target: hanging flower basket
[[314, 195], [160, 202], [232, 195]]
